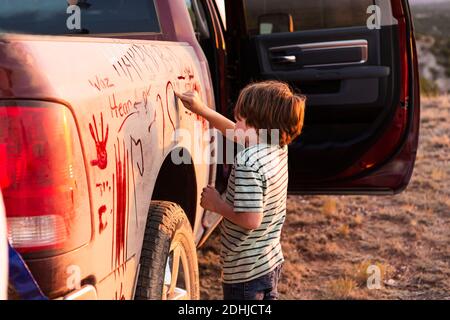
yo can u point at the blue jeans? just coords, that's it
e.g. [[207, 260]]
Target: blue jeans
[[262, 288]]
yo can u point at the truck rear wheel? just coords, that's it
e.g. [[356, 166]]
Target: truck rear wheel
[[168, 264]]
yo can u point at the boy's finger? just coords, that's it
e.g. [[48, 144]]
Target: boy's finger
[[183, 95], [179, 95], [197, 87], [186, 103]]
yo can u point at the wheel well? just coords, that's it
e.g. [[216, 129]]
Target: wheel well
[[177, 183]]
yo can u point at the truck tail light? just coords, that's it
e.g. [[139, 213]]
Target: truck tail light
[[43, 178]]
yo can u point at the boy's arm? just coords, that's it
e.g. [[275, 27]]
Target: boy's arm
[[219, 122], [211, 200], [246, 220], [192, 101]]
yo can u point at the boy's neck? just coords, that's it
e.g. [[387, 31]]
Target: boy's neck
[[251, 142]]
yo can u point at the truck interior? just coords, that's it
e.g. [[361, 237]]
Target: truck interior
[[354, 77]]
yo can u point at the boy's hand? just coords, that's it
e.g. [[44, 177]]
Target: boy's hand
[[192, 101], [210, 199]]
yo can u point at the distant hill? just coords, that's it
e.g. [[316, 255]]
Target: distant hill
[[432, 18], [432, 25]]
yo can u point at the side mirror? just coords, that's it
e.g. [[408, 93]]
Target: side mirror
[[275, 23]]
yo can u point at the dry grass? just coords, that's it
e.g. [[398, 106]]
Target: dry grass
[[443, 101], [330, 207], [440, 141], [344, 230], [438, 174], [332, 249], [358, 220], [341, 289]]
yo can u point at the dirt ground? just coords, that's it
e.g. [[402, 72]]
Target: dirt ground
[[329, 242]]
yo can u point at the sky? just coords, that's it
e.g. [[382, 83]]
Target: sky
[[221, 6]]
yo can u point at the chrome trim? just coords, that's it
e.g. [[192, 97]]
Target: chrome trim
[[318, 46], [88, 292], [136, 278], [284, 59]]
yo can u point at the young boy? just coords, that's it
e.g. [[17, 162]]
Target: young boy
[[254, 207]]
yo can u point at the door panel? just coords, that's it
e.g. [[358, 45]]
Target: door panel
[[359, 82], [321, 56], [345, 108]]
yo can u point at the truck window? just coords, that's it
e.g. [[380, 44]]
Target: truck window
[[268, 16], [197, 14], [52, 17], [192, 14]]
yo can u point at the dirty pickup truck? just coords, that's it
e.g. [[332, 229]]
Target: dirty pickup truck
[[94, 200]]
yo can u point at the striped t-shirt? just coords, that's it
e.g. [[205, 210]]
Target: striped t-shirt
[[258, 183]]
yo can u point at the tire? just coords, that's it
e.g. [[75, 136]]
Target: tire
[[168, 237]]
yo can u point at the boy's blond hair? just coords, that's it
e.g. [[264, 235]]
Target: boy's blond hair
[[272, 105]]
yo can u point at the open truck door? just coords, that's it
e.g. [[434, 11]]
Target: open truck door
[[355, 60]]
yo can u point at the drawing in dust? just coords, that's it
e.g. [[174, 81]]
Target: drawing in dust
[[101, 83], [158, 97], [169, 85], [121, 203], [137, 143], [120, 295], [103, 187], [102, 225], [100, 144], [145, 96], [152, 123]]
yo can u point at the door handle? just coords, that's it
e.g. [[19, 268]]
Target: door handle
[[284, 59]]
